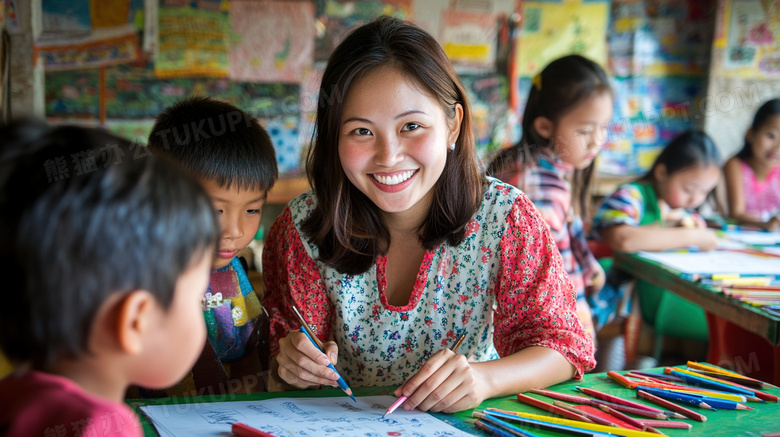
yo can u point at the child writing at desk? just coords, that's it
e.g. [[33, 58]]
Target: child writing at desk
[[403, 244], [753, 175], [106, 261], [656, 212], [564, 127]]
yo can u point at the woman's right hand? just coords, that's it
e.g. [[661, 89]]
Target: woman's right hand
[[704, 239], [302, 365]]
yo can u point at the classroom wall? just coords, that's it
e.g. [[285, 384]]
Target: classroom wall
[[745, 69]]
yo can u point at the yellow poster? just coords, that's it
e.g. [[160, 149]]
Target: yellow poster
[[552, 29]]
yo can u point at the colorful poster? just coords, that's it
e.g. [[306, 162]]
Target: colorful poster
[[93, 52], [65, 17], [273, 41], [337, 17], [552, 29], [752, 36], [660, 38], [284, 136], [192, 42], [469, 39]]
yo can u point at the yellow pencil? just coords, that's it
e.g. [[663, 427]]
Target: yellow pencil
[[589, 426]]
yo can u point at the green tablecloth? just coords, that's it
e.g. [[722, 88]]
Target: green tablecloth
[[764, 419]]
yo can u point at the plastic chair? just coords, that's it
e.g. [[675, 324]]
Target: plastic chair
[[670, 315]]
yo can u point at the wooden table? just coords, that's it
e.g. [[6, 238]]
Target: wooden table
[[763, 419], [737, 330]]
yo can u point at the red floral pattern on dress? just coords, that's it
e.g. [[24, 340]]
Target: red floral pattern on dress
[[504, 285]]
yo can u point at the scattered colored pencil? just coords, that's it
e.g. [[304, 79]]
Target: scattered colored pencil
[[614, 399], [707, 381], [678, 397], [550, 408], [711, 368], [671, 405], [506, 427], [666, 424], [623, 408], [538, 420], [624, 417], [592, 418]]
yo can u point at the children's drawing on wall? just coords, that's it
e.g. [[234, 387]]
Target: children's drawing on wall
[[273, 41], [751, 31]]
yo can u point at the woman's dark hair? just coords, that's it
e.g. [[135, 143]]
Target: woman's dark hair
[[348, 228], [562, 85], [83, 219], [765, 112], [689, 149]]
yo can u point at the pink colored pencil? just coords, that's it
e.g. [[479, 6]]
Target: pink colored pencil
[[614, 399], [666, 424]]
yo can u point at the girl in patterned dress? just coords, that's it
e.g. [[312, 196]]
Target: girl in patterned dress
[[564, 127], [753, 175], [403, 244]]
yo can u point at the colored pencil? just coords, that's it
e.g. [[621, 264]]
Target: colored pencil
[[654, 376], [671, 405], [538, 424], [624, 417], [679, 397], [614, 399], [707, 381], [506, 427], [708, 400], [666, 424], [744, 384], [613, 420], [536, 419], [398, 402], [592, 418], [550, 408], [306, 329], [243, 430], [492, 430], [711, 368], [623, 408]]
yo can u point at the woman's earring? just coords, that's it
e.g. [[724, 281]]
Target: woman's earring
[[452, 146]]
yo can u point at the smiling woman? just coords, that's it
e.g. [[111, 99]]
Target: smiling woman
[[403, 245]]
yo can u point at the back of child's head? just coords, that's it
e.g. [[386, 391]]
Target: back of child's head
[[82, 221], [217, 142], [765, 112], [687, 150]]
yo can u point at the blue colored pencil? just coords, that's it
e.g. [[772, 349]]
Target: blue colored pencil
[[696, 380], [712, 402], [505, 427], [540, 424], [674, 396], [310, 335]]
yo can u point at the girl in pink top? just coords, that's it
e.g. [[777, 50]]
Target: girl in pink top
[[753, 175]]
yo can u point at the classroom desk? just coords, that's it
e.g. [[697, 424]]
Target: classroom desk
[[728, 320], [763, 419]]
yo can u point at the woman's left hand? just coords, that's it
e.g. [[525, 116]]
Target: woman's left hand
[[447, 382]]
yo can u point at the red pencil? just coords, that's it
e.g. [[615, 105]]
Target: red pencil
[[243, 430], [614, 399], [624, 417], [671, 405], [666, 424], [589, 414], [550, 408], [583, 400]]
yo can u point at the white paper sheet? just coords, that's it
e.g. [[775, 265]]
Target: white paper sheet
[[759, 238], [716, 262], [332, 416]]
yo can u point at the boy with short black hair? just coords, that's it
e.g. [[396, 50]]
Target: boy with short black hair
[[107, 257], [233, 157]]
